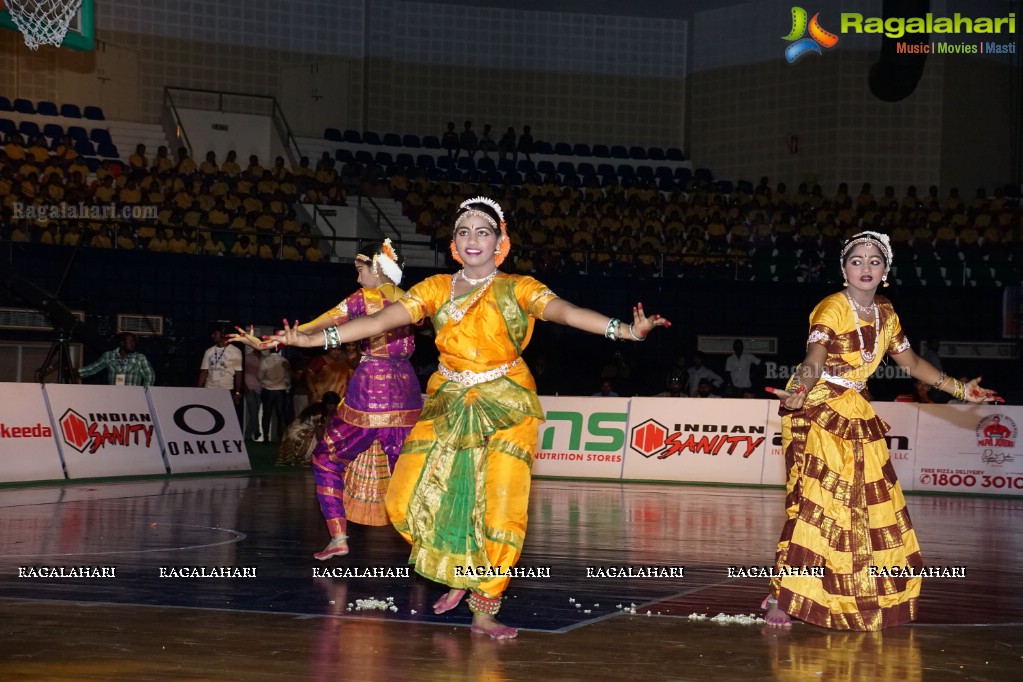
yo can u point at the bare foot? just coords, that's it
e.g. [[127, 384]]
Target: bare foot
[[483, 624], [337, 547], [448, 601], [775, 617]]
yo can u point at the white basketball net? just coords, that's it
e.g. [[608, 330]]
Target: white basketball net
[[42, 22]]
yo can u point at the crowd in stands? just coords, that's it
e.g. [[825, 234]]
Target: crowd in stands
[[709, 229], [174, 204], [573, 221]]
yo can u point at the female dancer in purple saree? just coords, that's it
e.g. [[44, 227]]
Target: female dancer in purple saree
[[380, 406]]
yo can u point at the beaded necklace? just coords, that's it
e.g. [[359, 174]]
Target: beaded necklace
[[868, 357], [458, 313]]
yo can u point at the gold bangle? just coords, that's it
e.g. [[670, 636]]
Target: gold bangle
[[959, 389]]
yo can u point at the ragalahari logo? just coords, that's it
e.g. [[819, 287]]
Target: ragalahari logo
[[801, 45]]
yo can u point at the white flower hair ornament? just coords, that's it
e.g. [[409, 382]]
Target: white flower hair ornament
[[387, 261]]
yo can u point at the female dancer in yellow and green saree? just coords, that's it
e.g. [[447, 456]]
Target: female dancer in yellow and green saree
[[460, 490], [845, 508]]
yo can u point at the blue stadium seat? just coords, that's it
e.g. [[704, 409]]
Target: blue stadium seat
[[585, 169], [664, 172], [704, 175], [655, 154], [404, 161], [100, 136], [473, 177], [563, 149], [645, 173], [93, 114], [23, 106], [5, 104], [92, 164], [8, 127], [541, 147], [724, 186], [545, 168], [466, 164], [431, 142], [410, 140], [602, 151], [494, 177], [344, 155], [351, 136], [84, 148], [445, 163], [392, 140], [566, 168], [513, 177], [45, 108], [666, 184], [425, 161], [384, 159], [605, 169], [369, 137], [107, 150], [486, 165], [53, 131], [505, 165], [333, 134], [526, 166], [637, 153], [674, 154], [70, 111], [683, 175], [619, 152], [581, 149], [363, 157], [625, 171], [77, 133], [29, 130]]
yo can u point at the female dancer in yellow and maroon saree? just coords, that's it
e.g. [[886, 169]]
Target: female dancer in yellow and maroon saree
[[845, 508]]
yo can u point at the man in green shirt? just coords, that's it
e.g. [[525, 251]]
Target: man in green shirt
[[125, 367]]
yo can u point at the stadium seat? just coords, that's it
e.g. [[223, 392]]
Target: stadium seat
[[619, 152], [513, 177], [391, 140], [563, 149], [683, 175], [370, 137], [486, 165], [703, 175], [53, 131], [674, 154], [84, 148], [8, 127], [404, 161], [363, 157], [93, 114], [100, 136], [445, 163], [566, 168], [431, 142], [385, 159], [465, 163], [5, 104], [351, 136], [70, 111], [333, 134], [29, 130], [45, 108], [541, 147], [581, 149], [655, 154], [92, 164], [724, 186], [77, 133], [494, 177], [664, 172], [666, 184], [625, 171], [602, 151], [645, 173], [505, 165], [585, 169], [545, 168], [605, 169], [526, 166], [454, 175], [410, 140], [425, 161], [344, 155], [637, 153], [23, 106], [107, 150]]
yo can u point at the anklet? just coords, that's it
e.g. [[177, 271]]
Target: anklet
[[480, 604]]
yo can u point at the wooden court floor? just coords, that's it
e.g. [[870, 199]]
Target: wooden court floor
[[154, 619]]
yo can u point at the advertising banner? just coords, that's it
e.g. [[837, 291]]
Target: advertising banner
[[970, 449], [696, 439], [198, 429], [582, 437], [28, 449], [104, 430]]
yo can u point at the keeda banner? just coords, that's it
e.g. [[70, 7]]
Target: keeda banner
[[970, 449], [104, 430], [198, 429], [28, 449], [582, 437], [696, 439]]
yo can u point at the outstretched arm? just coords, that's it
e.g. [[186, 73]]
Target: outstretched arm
[[391, 317], [561, 311], [929, 374]]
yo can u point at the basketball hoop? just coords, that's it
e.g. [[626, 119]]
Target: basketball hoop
[[43, 22]]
